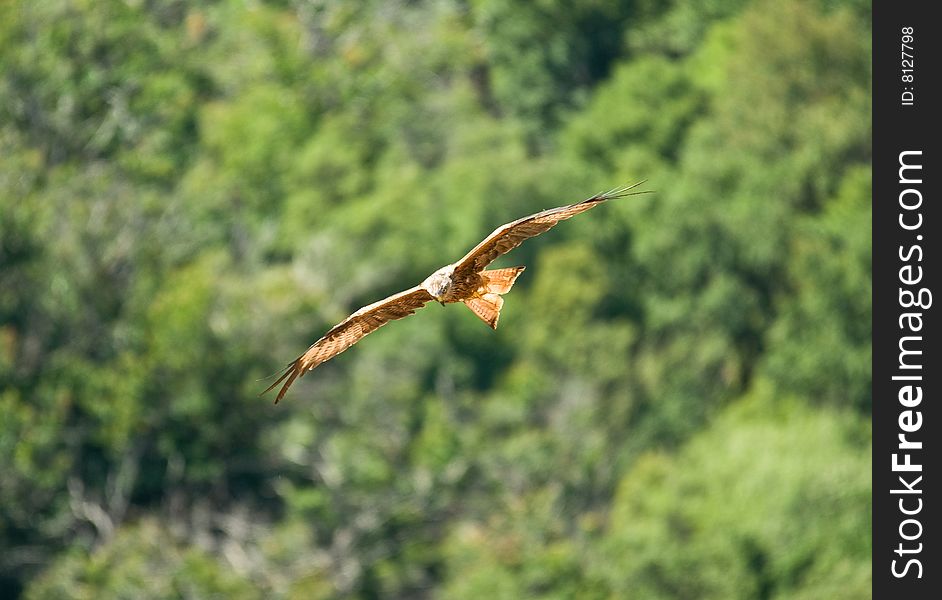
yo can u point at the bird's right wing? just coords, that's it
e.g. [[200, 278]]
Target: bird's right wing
[[351, 330]]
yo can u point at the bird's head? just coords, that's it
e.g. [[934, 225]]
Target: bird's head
[[438, 283]]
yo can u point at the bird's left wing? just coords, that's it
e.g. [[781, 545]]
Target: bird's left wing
[[508, 236], [351, 330]]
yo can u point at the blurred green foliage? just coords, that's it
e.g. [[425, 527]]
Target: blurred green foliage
[[676, 404]]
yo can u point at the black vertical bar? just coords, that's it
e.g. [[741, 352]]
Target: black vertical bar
[[905, 272]]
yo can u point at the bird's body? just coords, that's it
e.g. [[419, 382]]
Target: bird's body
[[465, 281], [439, 285]]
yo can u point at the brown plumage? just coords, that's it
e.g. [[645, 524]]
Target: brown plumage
[[463, 281]]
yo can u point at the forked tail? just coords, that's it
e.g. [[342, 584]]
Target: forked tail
[[486, 305]]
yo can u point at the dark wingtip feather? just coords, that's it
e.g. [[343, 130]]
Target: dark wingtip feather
[[288, 370], [284, 390], [621, 192]]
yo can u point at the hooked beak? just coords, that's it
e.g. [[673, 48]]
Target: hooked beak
[[442, 302]]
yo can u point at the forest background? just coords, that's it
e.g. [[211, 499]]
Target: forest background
[[676, 404]]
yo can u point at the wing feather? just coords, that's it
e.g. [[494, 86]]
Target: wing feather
[[351, 330], [510, 235]]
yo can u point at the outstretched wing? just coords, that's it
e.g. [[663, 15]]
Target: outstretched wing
[[351, 330], [507, 237]]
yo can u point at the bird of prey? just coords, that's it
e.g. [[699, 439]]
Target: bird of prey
[[464, 281]]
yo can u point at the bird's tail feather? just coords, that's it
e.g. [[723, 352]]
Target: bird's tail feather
[[499, 281], [486, 307]]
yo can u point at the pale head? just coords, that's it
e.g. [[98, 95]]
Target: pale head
[[438, 283]]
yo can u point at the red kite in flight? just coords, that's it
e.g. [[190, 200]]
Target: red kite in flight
[[463, 281]]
